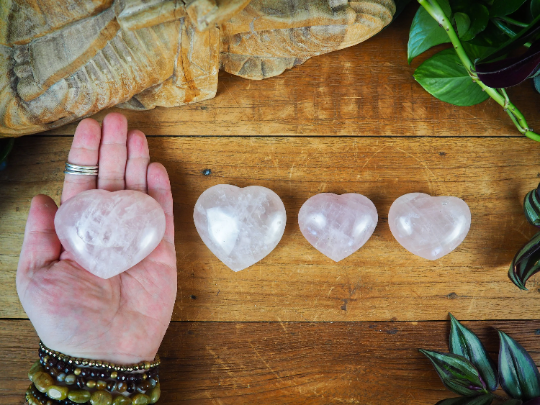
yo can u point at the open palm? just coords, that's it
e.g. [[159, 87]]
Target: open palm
[[122, 319]]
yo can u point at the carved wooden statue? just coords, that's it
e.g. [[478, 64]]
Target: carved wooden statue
[[61, 61]]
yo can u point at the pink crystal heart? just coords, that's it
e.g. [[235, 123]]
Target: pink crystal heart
[[240, 225], [109, 232], [430, 227], [337, 225]]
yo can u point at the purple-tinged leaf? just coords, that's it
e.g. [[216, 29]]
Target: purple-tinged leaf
[[457, 373], [518, 374], [465, 343], [481, 400], [526, 262], [534, 401], [511, 71]]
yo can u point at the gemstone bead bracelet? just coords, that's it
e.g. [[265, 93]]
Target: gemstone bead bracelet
[[136, 384]]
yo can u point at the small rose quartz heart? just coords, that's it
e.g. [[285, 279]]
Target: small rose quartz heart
[[337, 225], [109, 232], [429, 227], [240, 225]]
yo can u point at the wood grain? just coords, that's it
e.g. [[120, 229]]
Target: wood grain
[[367, 89], [296, 283], [206, 363]]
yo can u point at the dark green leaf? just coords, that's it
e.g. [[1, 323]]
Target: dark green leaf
[[526, 262], [465, 343], [444, 77], [476, 51], [535, 8], [479, 20], [513, 402], [518, 374], [502, 8], [526, 34], [531, 206], [463, 23], [537, 83], [425, 32], [457, 373], [481, 400]]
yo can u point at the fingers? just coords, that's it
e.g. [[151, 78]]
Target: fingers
[[159, 188], [41, 247], [84, 152], [138, 158], [113, 153]]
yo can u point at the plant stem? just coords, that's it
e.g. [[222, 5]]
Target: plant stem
[[433, 8], [514, 22], [507, 31]]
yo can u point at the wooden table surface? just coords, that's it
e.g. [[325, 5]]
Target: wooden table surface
[[297, 328]]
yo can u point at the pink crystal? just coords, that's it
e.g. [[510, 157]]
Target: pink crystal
[[109, 232], [429, 227], [337, 225], [240, 225]]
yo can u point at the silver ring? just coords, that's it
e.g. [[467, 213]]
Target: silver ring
[[81, 170]]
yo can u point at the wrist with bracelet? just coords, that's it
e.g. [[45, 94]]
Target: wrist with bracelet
[[60, 379]]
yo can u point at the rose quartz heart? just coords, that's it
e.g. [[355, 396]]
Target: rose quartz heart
[[110, 232], [429, 227], [337, 225], [240, 225]]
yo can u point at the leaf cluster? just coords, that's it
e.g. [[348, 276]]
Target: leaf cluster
[[469, 371], [489, 31]]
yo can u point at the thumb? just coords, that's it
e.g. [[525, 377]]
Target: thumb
[[41, 247]]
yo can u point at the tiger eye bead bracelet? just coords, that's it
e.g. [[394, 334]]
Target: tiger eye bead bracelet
[[58, 378]]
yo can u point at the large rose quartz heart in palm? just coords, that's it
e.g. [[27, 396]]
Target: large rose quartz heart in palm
[[109, 232]]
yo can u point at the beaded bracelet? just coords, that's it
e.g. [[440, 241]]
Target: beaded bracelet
[[144, 365], [96, 380]]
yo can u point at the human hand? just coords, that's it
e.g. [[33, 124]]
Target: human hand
[[122, 319]]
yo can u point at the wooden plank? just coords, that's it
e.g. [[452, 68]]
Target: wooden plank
[[296, 283], [287, 363], [364, 90]]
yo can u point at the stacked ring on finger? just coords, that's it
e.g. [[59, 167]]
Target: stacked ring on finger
[[81, 170]]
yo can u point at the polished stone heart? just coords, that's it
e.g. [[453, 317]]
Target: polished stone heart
[[337, 225], [429, 227], [109, 232], [240, 225]]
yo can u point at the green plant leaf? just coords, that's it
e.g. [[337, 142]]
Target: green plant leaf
[[444, 77], [518, 374], [481, 400], [535, 8], [501, 8], [463, 23], [526, 262], [513, 402], [479, 20], [537, 83], [531, 206], [457, 373], [425, 32], [465, 343], [476, 51]]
